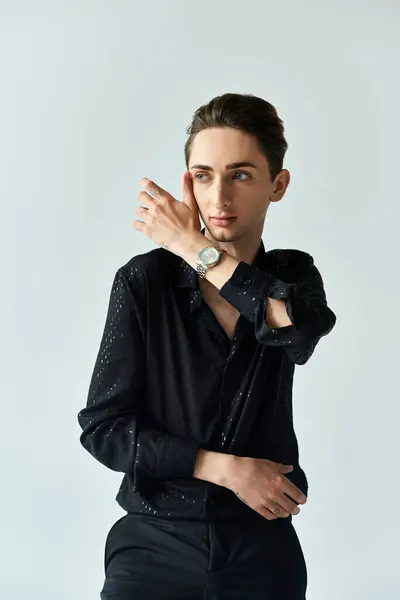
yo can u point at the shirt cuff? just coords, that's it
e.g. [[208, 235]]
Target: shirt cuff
[[163, 456], [248, 286]]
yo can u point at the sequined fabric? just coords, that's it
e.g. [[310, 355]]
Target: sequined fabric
[[167, 380]]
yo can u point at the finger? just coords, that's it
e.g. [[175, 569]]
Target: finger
[[146, 200], [151, 188], [293, 492], [139, 226], [266, 513], [285, 468], [187, 191], [288, 505], [281, 500], [277, 510], [143, 213], [262, 510]]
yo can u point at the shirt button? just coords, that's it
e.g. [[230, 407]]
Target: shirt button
[[247, 282]]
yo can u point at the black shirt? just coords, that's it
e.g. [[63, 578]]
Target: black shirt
[[168, 380]]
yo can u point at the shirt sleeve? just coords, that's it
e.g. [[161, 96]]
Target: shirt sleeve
[[248, 288], [114, 429]]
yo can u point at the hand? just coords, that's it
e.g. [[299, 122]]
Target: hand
[[262, 485], [169, 223]]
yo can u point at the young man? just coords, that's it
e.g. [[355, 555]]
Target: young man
[[191, 394]]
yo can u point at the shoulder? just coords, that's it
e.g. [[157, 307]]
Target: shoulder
[[289, 258], [292, 265], [144, 269]]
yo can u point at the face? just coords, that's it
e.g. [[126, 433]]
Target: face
[[225, 189]]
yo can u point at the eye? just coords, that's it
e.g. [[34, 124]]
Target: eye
[[200, 175], [242, 176], [243, 173]]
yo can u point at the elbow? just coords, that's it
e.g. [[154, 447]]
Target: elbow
[[299, 358], [329, 321], [300, 355], [97, 439], [306, 340], [112, 441], [105, 452]]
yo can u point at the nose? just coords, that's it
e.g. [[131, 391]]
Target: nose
[[219, 196]]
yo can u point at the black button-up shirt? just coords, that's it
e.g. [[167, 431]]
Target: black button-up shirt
[[168, 380]]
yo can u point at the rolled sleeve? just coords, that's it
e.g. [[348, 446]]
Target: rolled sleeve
[[249, 287]]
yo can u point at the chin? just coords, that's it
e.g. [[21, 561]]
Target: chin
[[226, 236], [220, 234]]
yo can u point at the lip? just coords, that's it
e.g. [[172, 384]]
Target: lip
[[223, 221]]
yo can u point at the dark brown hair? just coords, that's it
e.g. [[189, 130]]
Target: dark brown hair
[[249, 114]]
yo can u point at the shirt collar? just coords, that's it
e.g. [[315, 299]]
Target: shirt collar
[[186, 276]]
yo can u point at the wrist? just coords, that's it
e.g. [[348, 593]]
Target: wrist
[[215, 467], [191, 247]]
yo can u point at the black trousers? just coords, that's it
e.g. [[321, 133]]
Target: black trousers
[[149, 558]]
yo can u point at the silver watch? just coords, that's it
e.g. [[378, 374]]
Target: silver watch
[[208, 257]]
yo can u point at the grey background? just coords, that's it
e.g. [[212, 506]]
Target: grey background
[[96, 95]]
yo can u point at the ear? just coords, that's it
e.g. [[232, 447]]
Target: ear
[[280, 185]]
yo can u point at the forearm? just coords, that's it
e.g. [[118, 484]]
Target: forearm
[[276, 314], [215, 467]]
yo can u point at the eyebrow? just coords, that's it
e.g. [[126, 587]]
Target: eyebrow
[[235, 165]]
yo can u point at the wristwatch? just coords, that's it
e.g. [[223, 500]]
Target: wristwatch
[[208, 257]]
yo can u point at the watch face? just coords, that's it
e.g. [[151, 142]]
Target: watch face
[[209, 255]]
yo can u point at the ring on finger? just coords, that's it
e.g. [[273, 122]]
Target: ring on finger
[[154, 193]]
